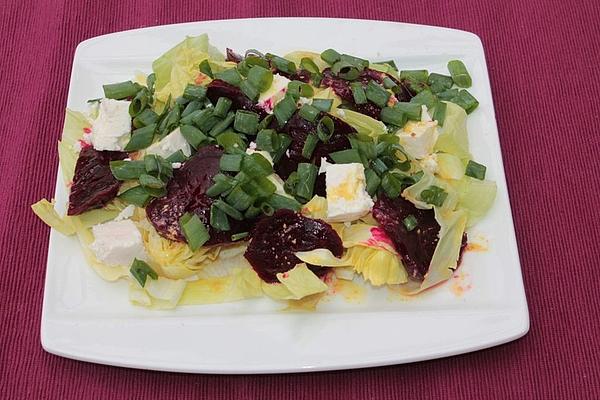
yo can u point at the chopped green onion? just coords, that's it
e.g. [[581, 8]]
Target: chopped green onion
[[149, 181], [459, 73], [267, 140], [330, 56], [439, 114], [281, 64], [121, 90], [192, 106], [322, 104], [358, 92], [284, 110], [222, 184], [222, 107], [145, 118], [259, 188], [309, 65], [246, 122], [205, 68], [425, 97], [137, 195], [284, 143], [448, 95], [140, 270], [345, 70], [252, 212], [178, 156], [227, 209], [239, 236], [188, 119], [364, 144], [416, 79], [182, 101], [307, 175], [194, 92], [252, 60], [411, 110], [266, 122], [391, 185], [434, 195], [231, 162], [239, 199], [410, 222], [289, 186], [379, 166], [141, 138], [439, 83], [139, 103], [377, 94], [309, 112], [194, 230], [325, 128], [359, 63], [373, 181], [475, 170], [222, 125], [267, 209], [193, 135], [256, 166], [277, 201], [466, 101], [261, 78], [394, 116], [249, 90], [157, 166], [169, 122], [309, 145], [298, 89], [150, 81], [231, 76], [218, 219], [126, 170], [389, 83], [232, 142], [391, 63], [346, 156]]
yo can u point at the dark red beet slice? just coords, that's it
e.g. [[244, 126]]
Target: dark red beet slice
[[186, 192], [417, 246], [93, 183], [275, 239], [298, 129], [219, 88]]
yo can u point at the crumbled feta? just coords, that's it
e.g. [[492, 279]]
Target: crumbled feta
[[268, 99], [341, 113], [304, 100], [429, 163], [425, 117], [252, 145], [117, 243], [347, 197], [170, 144], [418, 138], [125, 213], [324, 165], [111, 129], [176, 165]]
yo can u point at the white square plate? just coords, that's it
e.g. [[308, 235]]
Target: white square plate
[[484, 305]]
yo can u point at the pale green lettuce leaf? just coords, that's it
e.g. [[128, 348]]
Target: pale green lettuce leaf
[[362, 123], [385, 68], [301, 281], [413, 192], [453, 137], [242, 283], [475, 197], [46, 212], [297, 56], [68, 151], [449, 166]]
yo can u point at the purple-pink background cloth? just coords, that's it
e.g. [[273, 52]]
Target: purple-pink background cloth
[[543, 58]]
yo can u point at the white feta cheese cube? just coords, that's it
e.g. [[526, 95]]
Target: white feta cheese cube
[[112, 128], [347, 197], [418, 138], [268, 99], [117, 243], [170, 144]]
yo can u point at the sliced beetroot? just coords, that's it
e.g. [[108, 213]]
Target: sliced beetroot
[[298, 129], [186, 192], [275, 239], [219, 88], [416, 247], [93, 183]]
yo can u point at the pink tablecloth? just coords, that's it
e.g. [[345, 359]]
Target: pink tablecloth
[[543, 59]]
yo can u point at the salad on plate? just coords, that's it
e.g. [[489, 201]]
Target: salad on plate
[[225, 177]]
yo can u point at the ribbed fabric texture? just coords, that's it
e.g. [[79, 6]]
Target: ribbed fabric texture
[[543, 59]]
